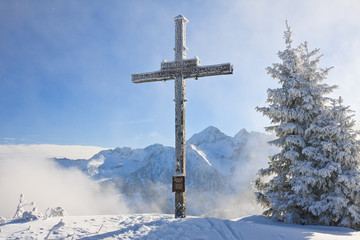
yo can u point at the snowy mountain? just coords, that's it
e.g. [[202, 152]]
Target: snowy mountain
[[218, 167]]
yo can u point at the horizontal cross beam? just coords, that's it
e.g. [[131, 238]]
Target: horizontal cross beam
[[169, 73]]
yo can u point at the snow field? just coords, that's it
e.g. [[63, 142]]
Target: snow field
[[162, 226]]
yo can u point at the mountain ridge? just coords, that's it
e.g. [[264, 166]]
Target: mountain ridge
[[217, 165]]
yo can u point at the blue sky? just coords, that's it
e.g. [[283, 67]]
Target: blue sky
[[65, 66]]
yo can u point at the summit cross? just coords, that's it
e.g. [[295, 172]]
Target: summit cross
[[180, 69]]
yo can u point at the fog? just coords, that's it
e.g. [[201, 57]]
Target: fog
[[237, 199], [27, 170], [242, 202]]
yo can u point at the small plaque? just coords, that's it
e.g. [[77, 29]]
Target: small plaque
[[178, 184], [186, 63]]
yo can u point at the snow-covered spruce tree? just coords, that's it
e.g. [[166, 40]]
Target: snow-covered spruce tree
[[315, 177], [332, 164]]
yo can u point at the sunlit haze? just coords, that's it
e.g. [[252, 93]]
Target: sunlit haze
[[65, 67]]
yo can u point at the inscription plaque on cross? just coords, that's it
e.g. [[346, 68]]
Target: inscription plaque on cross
[[179, 70]]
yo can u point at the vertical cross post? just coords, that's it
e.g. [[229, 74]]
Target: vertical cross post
[[180, 161], [181, 69]]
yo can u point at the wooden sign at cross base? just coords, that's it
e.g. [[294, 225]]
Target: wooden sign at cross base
[[178, 184]]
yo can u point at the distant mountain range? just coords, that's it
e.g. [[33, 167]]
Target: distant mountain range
[[219, 170]]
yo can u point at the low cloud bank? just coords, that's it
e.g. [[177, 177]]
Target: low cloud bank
[[24, 170]]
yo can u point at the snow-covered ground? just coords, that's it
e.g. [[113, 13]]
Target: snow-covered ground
[[29, 171], [159, 226]]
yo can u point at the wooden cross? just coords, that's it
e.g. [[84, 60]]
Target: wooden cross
[[180, 69]]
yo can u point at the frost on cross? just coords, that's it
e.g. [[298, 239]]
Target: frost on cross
[[315, 179], [179, 70]]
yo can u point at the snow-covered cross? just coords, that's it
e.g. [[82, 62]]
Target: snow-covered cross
[[180, 69]]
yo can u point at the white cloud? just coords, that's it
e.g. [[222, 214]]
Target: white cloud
[[27, 170], [249, 34], [51, 150]]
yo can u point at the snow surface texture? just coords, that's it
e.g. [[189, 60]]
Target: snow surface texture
[[219, 171], [157, 226]]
